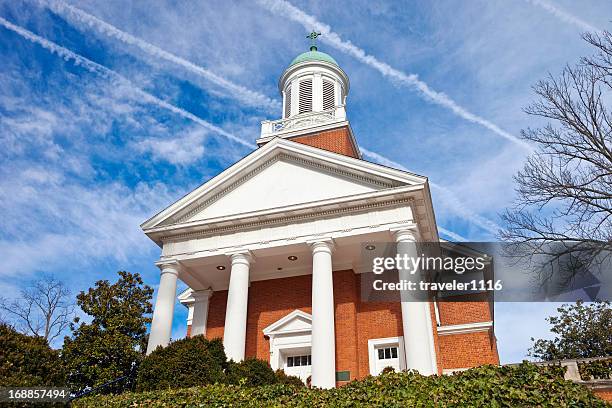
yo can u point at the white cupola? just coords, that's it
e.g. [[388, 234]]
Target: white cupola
[[314, 90], [313, 82]]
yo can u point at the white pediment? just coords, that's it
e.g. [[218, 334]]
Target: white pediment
[[280, 175], [284, 182], [295, 322]]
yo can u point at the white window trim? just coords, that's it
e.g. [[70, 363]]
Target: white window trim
[[373, 344], [464, 328]]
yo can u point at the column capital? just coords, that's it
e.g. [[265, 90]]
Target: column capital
[[405, 233], [169, 266], [199, 295], [243, 256], [321, 245]]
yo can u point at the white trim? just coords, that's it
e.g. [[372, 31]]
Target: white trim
[[278, 338], [450, 371], [387, 341], [464, 328], [307, 131], [273, 328]]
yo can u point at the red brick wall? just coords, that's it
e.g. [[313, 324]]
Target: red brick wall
[[336, 140], [461, 312], [216, 314], [269, 301], [355, 322], [467, 350], [375, 320], [346, 300], [605, 394]]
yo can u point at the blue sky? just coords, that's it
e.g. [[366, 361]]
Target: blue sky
[[109, 112]]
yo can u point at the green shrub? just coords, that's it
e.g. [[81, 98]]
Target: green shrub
[[28, 361], [184, 363], [250, 372], [283, 378], [525, 385], [596, 370]]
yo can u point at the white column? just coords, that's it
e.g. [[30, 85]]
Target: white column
[[161, 326], [416, 315], [317, 93], [200, 311], [234, 336], [323, 331], [295, 97]]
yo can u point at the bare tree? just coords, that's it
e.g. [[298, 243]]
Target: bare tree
[[565, 187], [44, 308]]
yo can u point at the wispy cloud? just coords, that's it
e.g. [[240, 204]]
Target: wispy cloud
[[564, 15], [94, 67], [182, 150], [448, 197], [309, 22], [161, 148], [243, 94]]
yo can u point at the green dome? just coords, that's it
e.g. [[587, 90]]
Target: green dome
[[313, 55]]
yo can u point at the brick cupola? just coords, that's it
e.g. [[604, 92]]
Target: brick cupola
[[314, 90]]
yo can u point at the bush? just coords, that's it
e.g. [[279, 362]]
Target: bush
[[596, 370], [250, 372], [524, 385], [184, 363], [283, 378], [27, 361]]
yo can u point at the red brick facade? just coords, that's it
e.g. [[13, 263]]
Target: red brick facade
[[335, 140], [356, 322]]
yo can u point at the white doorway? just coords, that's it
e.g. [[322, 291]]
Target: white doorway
[[290, 344]]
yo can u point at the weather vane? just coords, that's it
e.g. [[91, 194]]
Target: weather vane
[[313, 40]]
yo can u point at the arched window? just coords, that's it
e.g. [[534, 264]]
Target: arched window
[[305, 104], [288, 101], [329, 101]]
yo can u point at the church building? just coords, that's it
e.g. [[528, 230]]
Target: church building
[[271, 251]]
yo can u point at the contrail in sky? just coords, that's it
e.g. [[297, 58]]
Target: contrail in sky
[[564, 15], [240, 92], [94, 67], [449, 197], [309, 22]]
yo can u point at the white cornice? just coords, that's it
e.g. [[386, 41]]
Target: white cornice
[[292, 213], [296, 151], [464, 328]]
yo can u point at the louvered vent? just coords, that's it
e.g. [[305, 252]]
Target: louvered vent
[[305, 96], [328, 95], [288, 102]]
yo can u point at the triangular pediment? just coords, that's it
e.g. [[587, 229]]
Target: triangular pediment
[[284, 182], [281, 174], [295, 322]]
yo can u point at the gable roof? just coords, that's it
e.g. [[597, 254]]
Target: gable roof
[[360, 171]]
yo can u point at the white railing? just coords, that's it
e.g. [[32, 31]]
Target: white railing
[[304, 120]]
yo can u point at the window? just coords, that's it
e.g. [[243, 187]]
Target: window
[[387, 353], [305, 104], [297, 361], [328, 95], [288, 101]]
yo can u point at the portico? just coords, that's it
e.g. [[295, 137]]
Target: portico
[[316, 238]]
